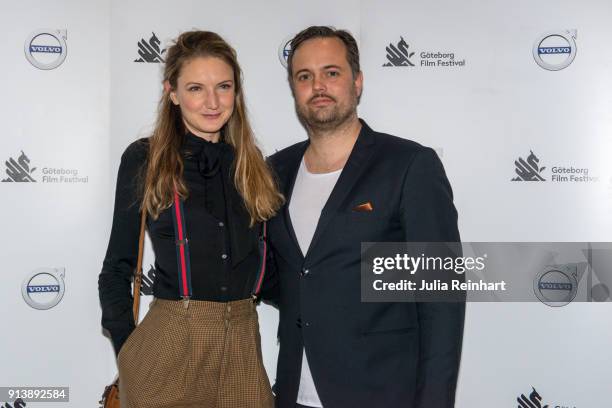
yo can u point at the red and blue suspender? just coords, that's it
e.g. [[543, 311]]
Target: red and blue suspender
[[183, 259], [182, 249]]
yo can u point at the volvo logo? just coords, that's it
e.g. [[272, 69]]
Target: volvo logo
[[556, 285], [46, 49], [284, 49], [555, 50], [44, 288]]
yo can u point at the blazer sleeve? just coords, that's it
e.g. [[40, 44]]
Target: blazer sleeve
[[428, 215], [114, 281], [270, 290]]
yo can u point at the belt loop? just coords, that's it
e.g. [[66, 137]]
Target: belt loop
[[227, 316]]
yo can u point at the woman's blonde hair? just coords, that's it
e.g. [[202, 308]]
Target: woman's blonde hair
[[252, 176]]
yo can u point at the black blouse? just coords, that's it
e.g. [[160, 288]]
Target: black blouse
[[223, 248]]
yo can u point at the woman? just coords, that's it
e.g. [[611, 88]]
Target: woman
[[201, 174]]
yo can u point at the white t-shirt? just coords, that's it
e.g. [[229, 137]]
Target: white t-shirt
[[310, 193]]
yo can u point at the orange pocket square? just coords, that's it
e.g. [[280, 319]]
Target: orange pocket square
[[365, 207]]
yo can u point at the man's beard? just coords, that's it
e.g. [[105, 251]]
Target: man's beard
[[328, 118]]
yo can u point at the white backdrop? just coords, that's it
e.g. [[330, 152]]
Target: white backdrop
[[480, 117]]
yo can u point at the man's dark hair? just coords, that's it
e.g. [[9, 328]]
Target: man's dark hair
[[352, 51]]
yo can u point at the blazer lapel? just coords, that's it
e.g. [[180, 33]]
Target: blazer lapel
[[356, 163], [287, 173]]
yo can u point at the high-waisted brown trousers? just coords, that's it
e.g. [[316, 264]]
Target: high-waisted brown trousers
[[205, 355]]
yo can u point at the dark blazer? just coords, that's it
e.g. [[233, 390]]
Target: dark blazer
[[366, 354]]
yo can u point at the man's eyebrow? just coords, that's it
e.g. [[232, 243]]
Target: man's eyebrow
[[325, 67], [301, 70]]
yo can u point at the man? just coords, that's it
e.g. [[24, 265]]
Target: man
[[345, 185]]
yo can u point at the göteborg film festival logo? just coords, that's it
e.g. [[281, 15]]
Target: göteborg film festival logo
[[150, 51], [148, 279], [528, 170], [398, 55], [19, 171], [534, 401]]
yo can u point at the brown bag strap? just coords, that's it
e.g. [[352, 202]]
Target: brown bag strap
[[138, 272]]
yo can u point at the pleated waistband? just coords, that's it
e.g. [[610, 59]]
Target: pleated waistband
[[206, 310]]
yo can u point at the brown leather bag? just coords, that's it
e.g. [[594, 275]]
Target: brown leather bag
[[110, 396]]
